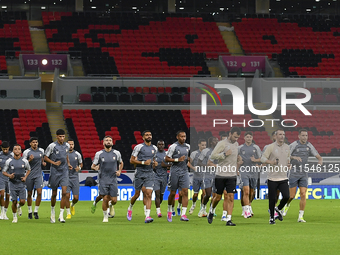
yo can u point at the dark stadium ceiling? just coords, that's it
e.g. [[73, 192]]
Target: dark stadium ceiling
[[212, 6]]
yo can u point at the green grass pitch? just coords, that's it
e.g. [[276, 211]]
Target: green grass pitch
[[86, 234]]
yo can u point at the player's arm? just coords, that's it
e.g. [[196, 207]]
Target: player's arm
[[28, 170], [95, 164], [266, 155], [68, 163], [80, 162], [121, 164], [134, 161], [218, 152], [169, 154]]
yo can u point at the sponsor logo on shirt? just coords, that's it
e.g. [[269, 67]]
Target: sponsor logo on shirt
[[12, 167], [103, 159]]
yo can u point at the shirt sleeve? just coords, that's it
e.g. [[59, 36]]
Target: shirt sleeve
[[49, 150], [258, 151], [136, 150], [266, 154], [218, 152], [80, 160], [96, 158], [292, 147], [171, 150], [6, 166], [42, 151], [313, 151], [203, 154], [27, 164], [25, 154], [193, 155], [156, 150]]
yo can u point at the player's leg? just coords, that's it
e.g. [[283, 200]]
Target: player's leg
[[138, 184], [293, 183], [63, 202], [284, 189], [173, 186], [53, 202], [7, 200], [225, 205], [272, 194], [303, 184], [196, 189], [29, 187], [75, 193], [15, 196], [219, 184], [179, 204], [184, 184], [158, 202], [68, 210], [230, 187], [105, 206], [113, 195], [147, 194], [2, 202], [246, 190], [22, 196], [38, 185]]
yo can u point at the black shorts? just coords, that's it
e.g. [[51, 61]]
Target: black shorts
[[229, 184]]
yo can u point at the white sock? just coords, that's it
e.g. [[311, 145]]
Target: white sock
[[158, 210], [170, 208], [14, 215], [228, 217], [147, 212], [211, 210], [105, 213], [94, 203], [68, 211], [184, 210], [214, 210], [204, 207], [224, 213], [130, 207], [61, 215], [173, 208], [6, 210], [29, 209], [110, 203], [52, 210], [193, 204], [72, 204], [250, 209], [108, 210], [144, 208], [301, 213], [243, 208], [2, 209], [179, 205], [18, 205], [36, 208]]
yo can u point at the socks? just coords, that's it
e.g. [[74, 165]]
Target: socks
[[29, 209], [193, 204], [14, 215], [170, 208], [243, 208], [228, 217], [105, 213], [158, 210], [184, 210], [5, 210], [61, 215], [179, 205], [301, 213], [36, 208], [130, 207], [52, 210], [2, 209], [224, 213], [68, 211], [72, 204], [94, 203], [147, 213], [173, 208], [214, 210], [211, 210], [144, 208]]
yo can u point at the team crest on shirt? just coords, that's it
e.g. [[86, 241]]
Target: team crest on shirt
[[66, 150], [0, 159], [243, 152], [114, 158], [307, 149], [103, 159], [75, 157], [179, 152], [39, 155], [297, 150], [22, 166], [56, 152], [254, 151], [12, 167], [153, 151], [187, 150]]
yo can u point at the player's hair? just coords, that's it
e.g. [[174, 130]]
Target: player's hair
[[180, 131], [160, 141], [70, 140], [248, 133], [33, 138], [60, 132], [16, 145], [5, 144], [210, 140], [303, 130], [235, 129], [201, 140], [226, 134], [107, 136], [273, 133], [279, 129], [145, 131]]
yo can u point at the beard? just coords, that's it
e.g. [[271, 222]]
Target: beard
[[108, 146], [148, 140]]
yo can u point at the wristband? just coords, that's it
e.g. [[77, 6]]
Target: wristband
[[143, 162], [79, 168], [176, 159]]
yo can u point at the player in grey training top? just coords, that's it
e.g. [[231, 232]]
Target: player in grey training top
[[179, 177], [57, 155], [209, 175], [105, 161], [251, 156], [17, 169], [143, 156], [198, 175], [161, 172], [35, 157], [4, 155], [300, 151], [76, 162]]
